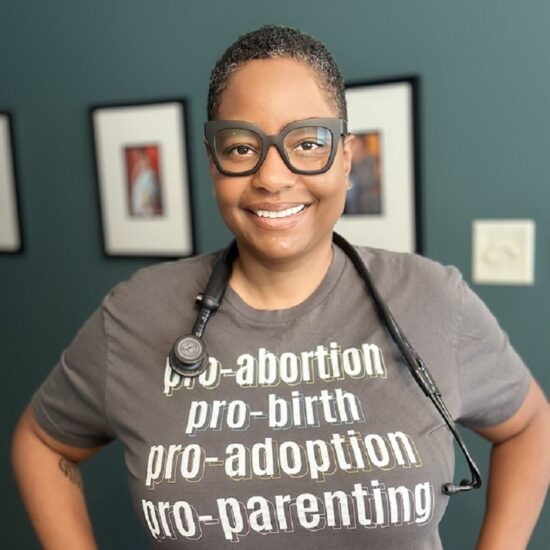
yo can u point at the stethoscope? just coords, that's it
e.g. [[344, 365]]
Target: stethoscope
[[188, 356]]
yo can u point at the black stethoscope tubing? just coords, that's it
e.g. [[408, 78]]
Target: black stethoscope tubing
[[188, 356]]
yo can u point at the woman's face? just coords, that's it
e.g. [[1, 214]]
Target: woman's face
[[271, 94]]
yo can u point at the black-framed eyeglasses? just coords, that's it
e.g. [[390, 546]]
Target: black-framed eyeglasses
[[306, 146]]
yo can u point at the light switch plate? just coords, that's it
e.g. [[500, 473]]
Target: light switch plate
[[503, 252]]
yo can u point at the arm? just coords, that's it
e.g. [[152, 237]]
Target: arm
[[519, 474], [51, 487]]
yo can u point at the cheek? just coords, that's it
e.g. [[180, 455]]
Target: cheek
[[332, 198], [227, 194], [336, 199], [222, 198], [335, 188], [340, 200]]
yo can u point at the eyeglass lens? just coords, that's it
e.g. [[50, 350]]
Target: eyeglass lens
[[306, 148]]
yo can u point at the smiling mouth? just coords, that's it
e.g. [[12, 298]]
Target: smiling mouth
[[272, 214]]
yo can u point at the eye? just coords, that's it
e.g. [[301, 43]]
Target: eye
[[240, 150], [312, 148], [236, 145], [309, 145], [308, 141]]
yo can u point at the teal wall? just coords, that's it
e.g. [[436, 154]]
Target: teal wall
[[485, 134]]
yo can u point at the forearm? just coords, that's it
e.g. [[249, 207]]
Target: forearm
[[518, 481], [51, 488]]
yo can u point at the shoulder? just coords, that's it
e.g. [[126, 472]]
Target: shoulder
[[422, 280], [164, 282], [402, 264]]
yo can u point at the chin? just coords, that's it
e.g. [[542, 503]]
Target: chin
[[279, 249]]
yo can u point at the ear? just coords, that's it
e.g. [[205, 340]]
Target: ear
[[347, 151]]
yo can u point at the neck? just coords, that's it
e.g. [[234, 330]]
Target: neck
[[278, 285]]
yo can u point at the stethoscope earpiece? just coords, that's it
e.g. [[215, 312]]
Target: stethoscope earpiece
[[188, 356]]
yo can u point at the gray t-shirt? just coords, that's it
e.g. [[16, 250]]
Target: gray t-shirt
[[307, 428]]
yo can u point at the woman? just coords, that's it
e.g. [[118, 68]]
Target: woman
[[306, 428]]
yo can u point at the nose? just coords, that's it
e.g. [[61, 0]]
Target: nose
[[274, 175]]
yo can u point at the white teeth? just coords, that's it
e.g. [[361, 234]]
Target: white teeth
[[279, 214]]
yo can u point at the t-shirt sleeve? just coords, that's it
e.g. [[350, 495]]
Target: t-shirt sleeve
[[493, 380], [70, 404]]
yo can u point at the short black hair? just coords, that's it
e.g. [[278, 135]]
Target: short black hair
[[272, 42]]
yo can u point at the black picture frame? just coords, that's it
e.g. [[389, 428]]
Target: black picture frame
[[384, 115], [143, 178], [11, 237]]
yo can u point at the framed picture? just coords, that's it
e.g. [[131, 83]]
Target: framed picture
[[10, 232], [382, 204], [143, 179]]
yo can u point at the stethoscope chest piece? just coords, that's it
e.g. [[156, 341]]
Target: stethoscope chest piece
[[188, 356]]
